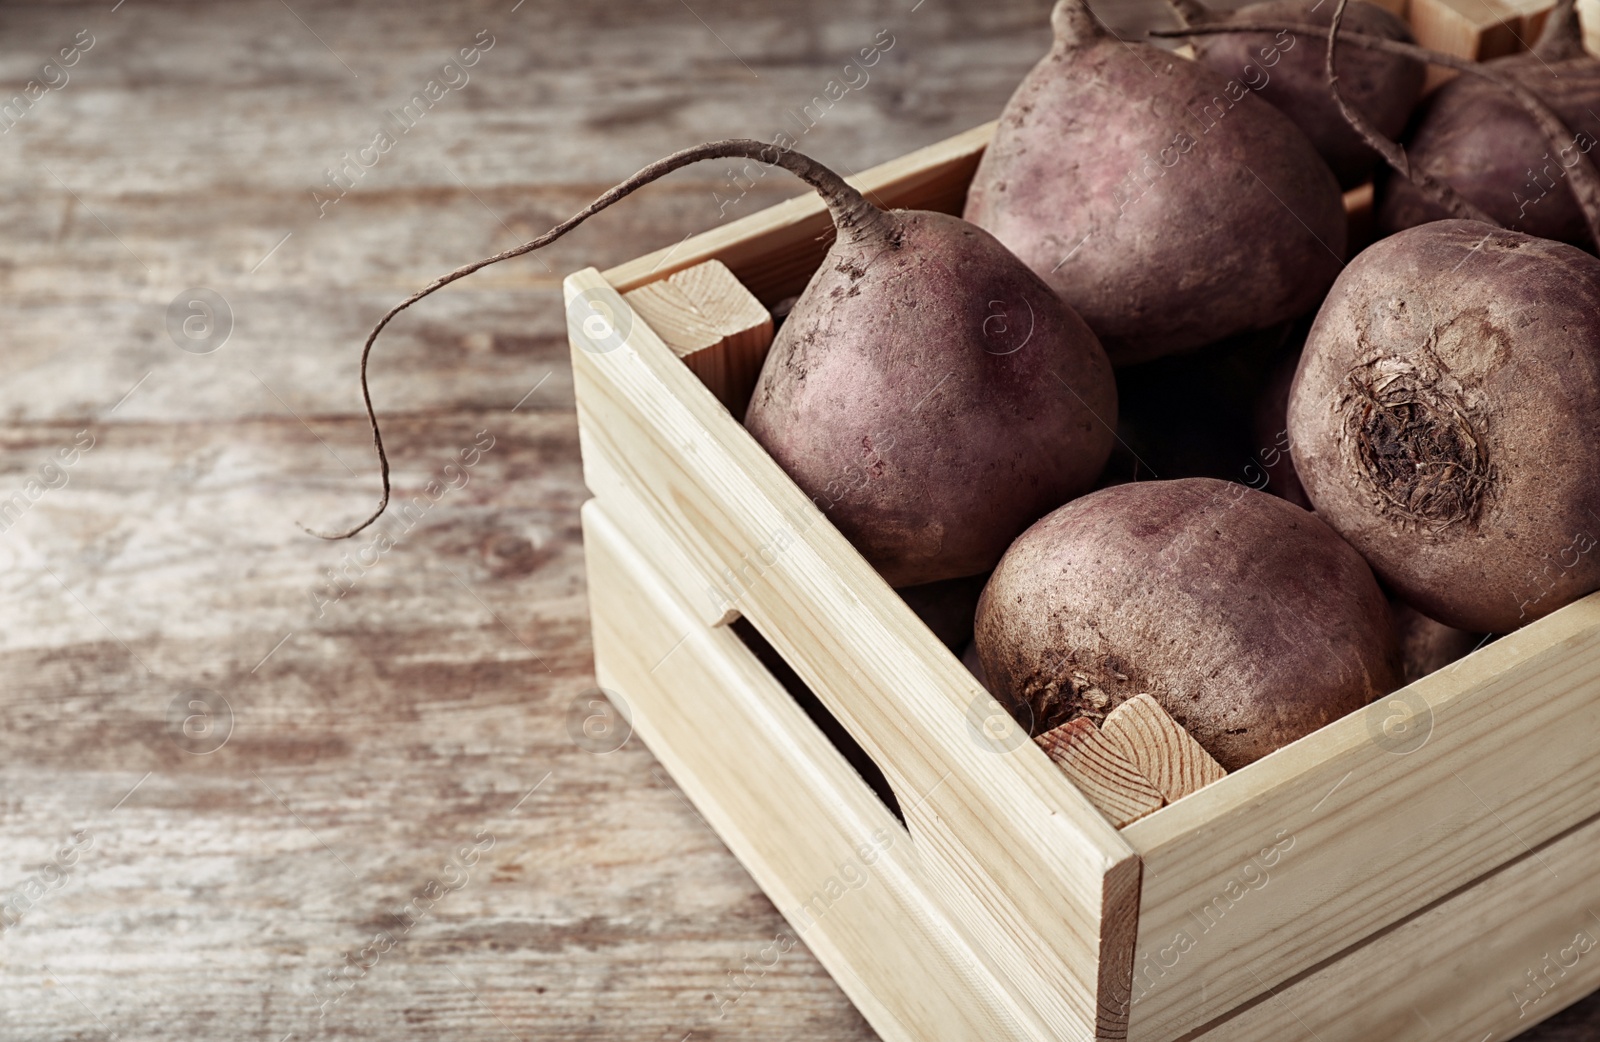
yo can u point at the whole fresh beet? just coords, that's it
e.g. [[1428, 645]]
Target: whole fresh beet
[[1287, 70], [1444, 415], [1170, 207], [1476, 138], [933, 396], [1247, 618]]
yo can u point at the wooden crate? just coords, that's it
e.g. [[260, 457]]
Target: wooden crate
[[1419, 870]]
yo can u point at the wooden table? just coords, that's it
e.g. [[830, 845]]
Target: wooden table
[[398, 838]]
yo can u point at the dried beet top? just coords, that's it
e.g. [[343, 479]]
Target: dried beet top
[[1413, 437]]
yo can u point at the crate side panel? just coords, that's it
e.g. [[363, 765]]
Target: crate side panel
[[709, 598], [1022, 855], [1490, 962], [836, 863], [1366, 821]]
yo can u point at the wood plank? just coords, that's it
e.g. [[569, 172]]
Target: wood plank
[[1358, 825], [1478, 29], [1160, 748], [1022, 858], [1495, 958], [1589, 14], [714, 600], [1101, 768], [719, 329], [841, 868]]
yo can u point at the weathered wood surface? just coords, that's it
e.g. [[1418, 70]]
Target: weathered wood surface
[[210, 895]]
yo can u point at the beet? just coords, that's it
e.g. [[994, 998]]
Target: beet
[[1427, 646], [1443, 420], [933, 396], [1247, 618], [1169, 207]]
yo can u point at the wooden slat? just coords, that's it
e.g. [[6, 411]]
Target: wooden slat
[[1021, 857], [714, 600], [1101, 769], [1160, 748], [719, 329], [1357, 826], [833, 859], [775, 251], [1467, 28], [1480, 29], [1358, 218], [1492, 960]]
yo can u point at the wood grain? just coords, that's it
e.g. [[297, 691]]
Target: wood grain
[[1544, 913], [1468, 28], [708, 318], [1481, 29], [1102, 768], [844, 871], [1160, 748]]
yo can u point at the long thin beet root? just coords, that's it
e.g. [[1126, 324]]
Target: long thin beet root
[[928, 391], [1384, 87], [851, 213], [1384, 145]]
